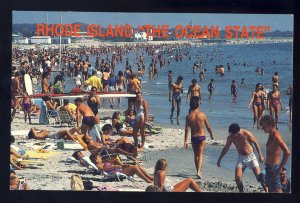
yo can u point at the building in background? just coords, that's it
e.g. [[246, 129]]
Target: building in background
[[40, 40]]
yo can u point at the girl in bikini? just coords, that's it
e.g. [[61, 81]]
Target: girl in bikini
[[275, 103], [26, 104], [162, 182], [257, 102]]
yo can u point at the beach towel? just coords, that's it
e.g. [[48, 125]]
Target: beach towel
[[19, 132], [76, 183], [45, 154]]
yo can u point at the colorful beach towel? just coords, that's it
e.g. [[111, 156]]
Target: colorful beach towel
[[45, 154]]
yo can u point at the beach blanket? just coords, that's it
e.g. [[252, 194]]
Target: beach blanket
[[19, 132], [42, 154]]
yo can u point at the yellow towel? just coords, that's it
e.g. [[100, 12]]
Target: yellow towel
[[42, 155]]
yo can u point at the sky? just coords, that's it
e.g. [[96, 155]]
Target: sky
[[282, 22]]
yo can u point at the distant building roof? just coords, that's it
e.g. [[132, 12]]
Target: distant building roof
[[40, 37]]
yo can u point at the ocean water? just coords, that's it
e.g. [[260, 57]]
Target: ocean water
[[221, 112]]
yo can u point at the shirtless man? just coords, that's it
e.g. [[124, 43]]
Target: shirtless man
[[66, 108], [34, 133], [275, 145], [177, 89], [89, 119], [194, 92], [16, 90], [196, 121], [243, 140]]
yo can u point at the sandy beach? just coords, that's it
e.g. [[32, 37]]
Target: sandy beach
[[54, 173]]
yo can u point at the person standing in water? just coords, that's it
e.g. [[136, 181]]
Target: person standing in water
[[233, 91], [257, 101], [196, 121], [210, 88], [274, 103], [177, 89]]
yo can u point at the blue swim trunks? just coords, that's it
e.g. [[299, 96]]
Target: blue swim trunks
[[272, 181]]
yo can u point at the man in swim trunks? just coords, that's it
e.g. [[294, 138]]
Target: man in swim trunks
[[243, 140], [89, 119], [177, 89], [196, 121], [275, 145], [194, 91]]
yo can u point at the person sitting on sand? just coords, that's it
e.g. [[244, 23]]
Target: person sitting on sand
[[243, 140], [162, 182], [128, 170], [196, 121], [89, 119], [16, 183], [130, 118], [152, 188], [275, 145], [119, 126], [96, 147], [66, 108], [83, 160], [37, 134]]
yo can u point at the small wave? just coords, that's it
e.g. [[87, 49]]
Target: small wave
[[144, 82], [161, 83]]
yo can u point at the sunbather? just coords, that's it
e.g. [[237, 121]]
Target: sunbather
[[128, 170], [34, 133]]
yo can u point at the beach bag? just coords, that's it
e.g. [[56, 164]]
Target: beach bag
[[76, 183]]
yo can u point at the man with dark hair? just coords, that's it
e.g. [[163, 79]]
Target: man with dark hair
[[84, 160], [89, 119], [194, 91], [275, 145], [66, 108], [196, 121], [285, 182], [243, 140], [177, 90]]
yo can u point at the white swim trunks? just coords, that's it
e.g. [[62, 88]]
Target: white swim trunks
[[249, 161]]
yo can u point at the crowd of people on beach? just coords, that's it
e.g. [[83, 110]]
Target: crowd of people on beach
[[41, 63]]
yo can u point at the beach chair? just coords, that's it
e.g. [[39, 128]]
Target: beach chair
[[65, 118], [53, 114]]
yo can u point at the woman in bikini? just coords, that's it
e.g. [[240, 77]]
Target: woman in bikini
[[93, 101], [128, 170], [26, 104], [274, 103], [162, 182], [141, 116], [119, 126], [257, 101]]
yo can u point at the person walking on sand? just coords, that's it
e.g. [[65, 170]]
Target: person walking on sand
[[210, 88], [89, 119], [177, 89], [243, 140], [274, 146], [196, 121], [163, 184]]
